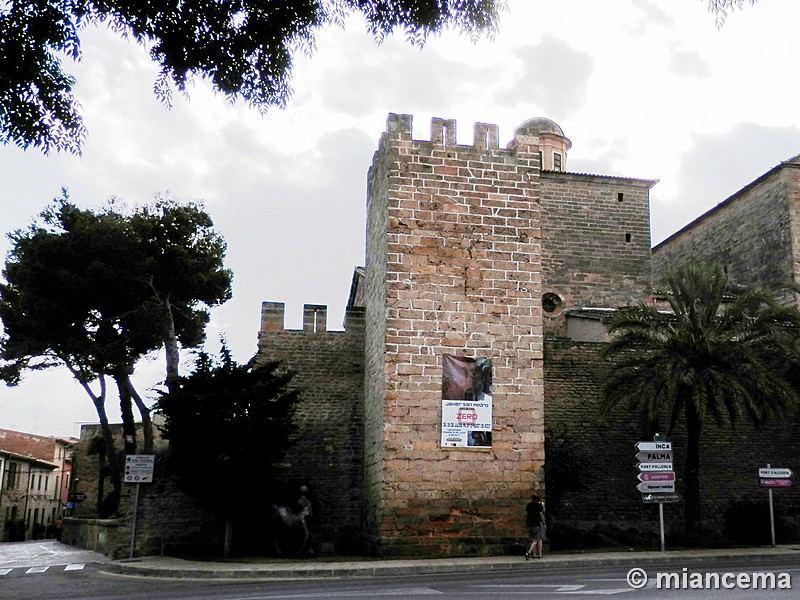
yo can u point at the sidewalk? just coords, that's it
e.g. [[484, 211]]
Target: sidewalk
[[156, 566]]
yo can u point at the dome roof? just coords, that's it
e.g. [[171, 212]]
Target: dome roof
[[533, 127]]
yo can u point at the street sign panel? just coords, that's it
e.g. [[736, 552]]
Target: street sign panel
[[775, 483], [657, 476], [656, 486], [661, 498], [777, 473], [654, 446], [649, 467], [139, 468], [651, 456]]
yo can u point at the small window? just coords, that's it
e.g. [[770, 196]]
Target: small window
[[556, 161], [620, 197], [552, 304], [628, 238]]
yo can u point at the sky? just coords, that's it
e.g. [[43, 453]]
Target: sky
[[642, 88]]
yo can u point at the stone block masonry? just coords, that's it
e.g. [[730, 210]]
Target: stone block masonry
[[453, 267], [327, 454]]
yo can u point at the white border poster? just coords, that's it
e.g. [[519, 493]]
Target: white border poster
[[466, 402]]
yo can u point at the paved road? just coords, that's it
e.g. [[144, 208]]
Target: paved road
[[36, 570]]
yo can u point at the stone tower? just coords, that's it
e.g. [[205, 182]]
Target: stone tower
[[453, 270]]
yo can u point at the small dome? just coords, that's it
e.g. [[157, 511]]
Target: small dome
[[533, 127]]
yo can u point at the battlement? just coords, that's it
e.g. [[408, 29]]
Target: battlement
[[315, 318], [273, 314], [443, 131], [540, 131]]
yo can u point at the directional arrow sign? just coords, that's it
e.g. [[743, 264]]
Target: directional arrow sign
[[656, 466], [651, 446], [649, 498], [776, 483], [657, 476], [656, 486], [654, 456], [777, 473]]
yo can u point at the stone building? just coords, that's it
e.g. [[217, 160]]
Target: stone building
[[754, 234], [475, 252], [35, 473]]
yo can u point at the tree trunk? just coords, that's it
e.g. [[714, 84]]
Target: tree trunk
[[147, 421], [109, 504], [692, 471], [171, 348], [126, 408]]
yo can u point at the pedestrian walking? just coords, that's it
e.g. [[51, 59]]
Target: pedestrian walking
[[534, 521]]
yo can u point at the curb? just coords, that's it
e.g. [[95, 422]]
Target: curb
[[180, 569]]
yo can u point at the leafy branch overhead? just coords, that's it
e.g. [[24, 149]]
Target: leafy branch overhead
[[243, 47]]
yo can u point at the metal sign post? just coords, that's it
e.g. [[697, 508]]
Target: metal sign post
[[774, 478], [656, 476], [138, 470]]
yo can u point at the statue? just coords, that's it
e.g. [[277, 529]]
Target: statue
[[291, 530]]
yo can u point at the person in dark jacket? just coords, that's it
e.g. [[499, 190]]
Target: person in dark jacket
[[534, 521]]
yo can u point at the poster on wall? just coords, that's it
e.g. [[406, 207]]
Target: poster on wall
[[466, 402]]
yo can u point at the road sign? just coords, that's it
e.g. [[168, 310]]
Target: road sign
[[775, 483], [139, 468], [776, 473], [657, 476], [654, 446], [656, 486], [656, 466], [661, 498], [649, 456], [77, 497]]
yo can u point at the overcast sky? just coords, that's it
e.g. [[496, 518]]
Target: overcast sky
[[643, 89]]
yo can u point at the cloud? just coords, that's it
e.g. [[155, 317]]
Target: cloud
[[554, 77], [366, 76], [652, 14], [718, 166], [688, 62]]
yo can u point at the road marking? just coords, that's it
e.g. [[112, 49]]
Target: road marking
[[37, 570], [5, 571], [75, 567]]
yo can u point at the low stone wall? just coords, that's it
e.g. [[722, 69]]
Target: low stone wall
[[98, 535]]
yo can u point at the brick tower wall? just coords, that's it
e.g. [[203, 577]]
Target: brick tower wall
[[453, 267], [595, 239], [327, 454]]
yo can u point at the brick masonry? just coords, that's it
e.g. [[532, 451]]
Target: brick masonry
[[754, 234]]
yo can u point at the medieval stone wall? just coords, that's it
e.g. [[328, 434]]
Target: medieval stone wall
[[461, 259], [752, 234], [598, 503], [595, 239], [327, 452]]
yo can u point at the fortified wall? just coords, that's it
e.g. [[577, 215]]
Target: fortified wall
[[326, 454], [754, 234]]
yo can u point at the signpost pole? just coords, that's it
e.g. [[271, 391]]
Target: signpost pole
[[135, 510], [771, 517], [661, 522]]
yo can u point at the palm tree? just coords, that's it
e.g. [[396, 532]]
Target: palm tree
[[709, 357]]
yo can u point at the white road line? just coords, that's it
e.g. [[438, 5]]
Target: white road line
[[75, 567], [37, 570], [5, 571]]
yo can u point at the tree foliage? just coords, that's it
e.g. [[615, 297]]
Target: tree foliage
[[228, 425], [97, 291], [708, 359], [722, 8], [243, 47]]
